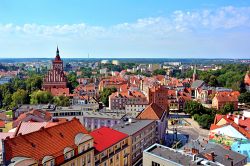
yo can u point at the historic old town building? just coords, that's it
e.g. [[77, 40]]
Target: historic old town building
[[55, 80]]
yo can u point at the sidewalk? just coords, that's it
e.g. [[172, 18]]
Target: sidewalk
[[195, 125]]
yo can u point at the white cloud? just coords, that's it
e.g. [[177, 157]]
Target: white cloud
[[176, 32]]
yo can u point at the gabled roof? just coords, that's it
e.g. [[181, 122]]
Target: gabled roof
[[243, 126], [44, 142], [105, 137], [29, 127], [227, 96], [197, 84], [33, 115], [153, 112]]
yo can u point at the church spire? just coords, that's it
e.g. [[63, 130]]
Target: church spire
[[194, 74], [57, 51], [57, 58]]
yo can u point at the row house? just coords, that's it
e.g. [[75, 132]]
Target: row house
[[89, 90], [67, 144], [118, 100], [111, 147], [116, 82], [222, 98]]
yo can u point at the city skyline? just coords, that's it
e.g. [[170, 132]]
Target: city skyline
[[142, 29]]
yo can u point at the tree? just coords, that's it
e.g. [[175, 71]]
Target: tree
[[18, 83], [104, 95], [41, 97], [213, 81], [61, 101], [159, 72], [244, 97], [228, 108], [7, 100], [33, 83], [205, 120], [20, 97], [193, 107], [72, 81]]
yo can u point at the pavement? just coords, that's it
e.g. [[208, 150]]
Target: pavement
[[193, 130]]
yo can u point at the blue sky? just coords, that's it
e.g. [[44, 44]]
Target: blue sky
[[128, 28]]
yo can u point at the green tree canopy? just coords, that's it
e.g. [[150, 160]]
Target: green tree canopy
[[20, 97], [159, 72], [41, 97], [33, 83], [244, 97], [61, 101], [72, 81], [104, 95], [228, 108], [193, 107], [205, 120]]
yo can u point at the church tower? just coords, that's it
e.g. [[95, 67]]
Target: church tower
[[195, 76], [55, 80], [57, 62]]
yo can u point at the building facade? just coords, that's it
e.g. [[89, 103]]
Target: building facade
[[118, 100], [111, 147], [142, 134], [159, 96], [55, 80]]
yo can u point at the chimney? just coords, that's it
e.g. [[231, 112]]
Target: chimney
[[236, 120], [194, 157], [195, 151], [243, 117]]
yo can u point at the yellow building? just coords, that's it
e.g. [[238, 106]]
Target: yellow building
[[111, 147]]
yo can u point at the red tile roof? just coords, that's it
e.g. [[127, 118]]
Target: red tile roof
[[47, 141], [153, 112], [34, 115], [105, 137], [128, 94], [243, 126], [60, 91], [2, 124], [29, 127]]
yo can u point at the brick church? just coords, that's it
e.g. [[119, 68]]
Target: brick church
[[55, 80]]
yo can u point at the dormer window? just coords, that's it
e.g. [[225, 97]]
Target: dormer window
[[68, 153], [48, 161]]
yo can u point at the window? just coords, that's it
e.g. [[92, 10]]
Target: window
[[155, 164], [83, 161], [88, 158]]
